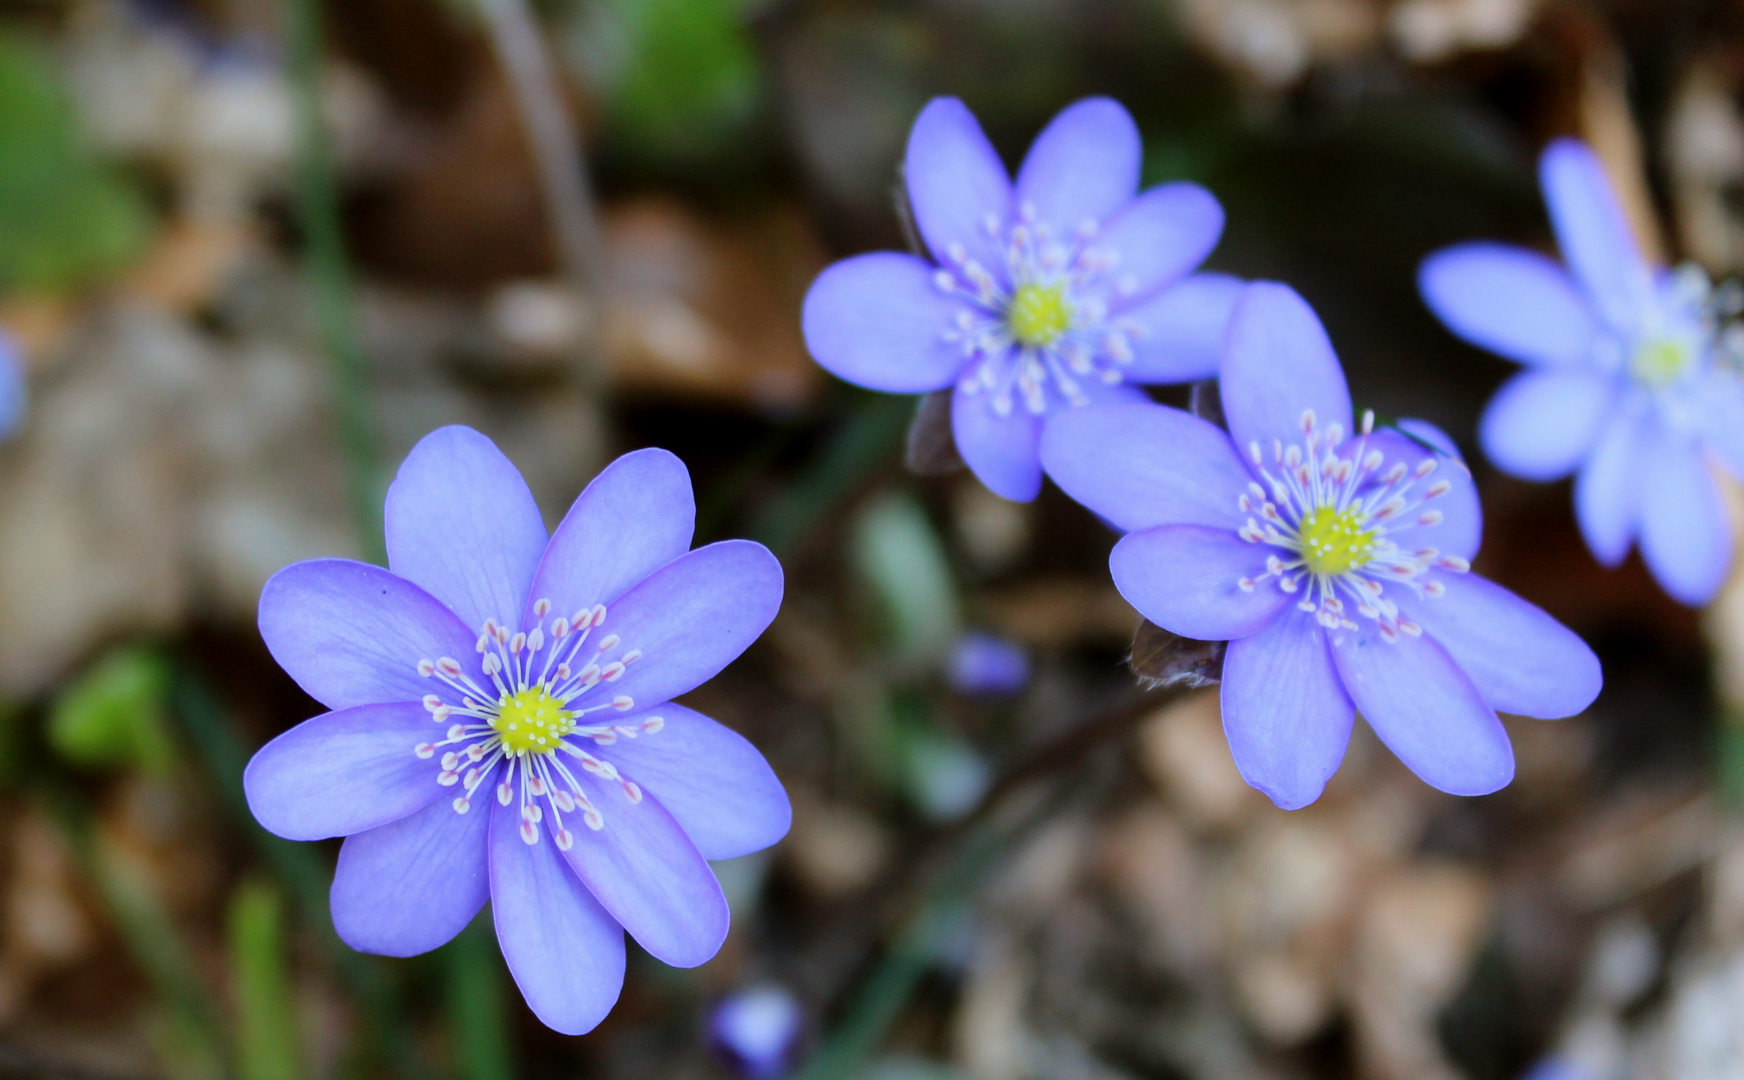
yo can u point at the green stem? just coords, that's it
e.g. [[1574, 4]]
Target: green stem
[[329, 277], [260, 985], [477, 1015], [886, 991]]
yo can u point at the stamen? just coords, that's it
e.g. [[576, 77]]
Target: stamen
[[529, 718], [1333, 513]]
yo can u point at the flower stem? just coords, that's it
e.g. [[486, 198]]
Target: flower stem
[[476, 1013], [329, 277]]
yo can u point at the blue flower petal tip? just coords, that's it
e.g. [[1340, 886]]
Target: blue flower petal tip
[[1631, 384], [1335, 559], [502, 723], [1057, 290]]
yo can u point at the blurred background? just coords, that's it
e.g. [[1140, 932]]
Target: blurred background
[[250, 251]]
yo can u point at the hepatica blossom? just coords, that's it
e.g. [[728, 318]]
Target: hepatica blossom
[[1626, 385], [1059, 290], [1334, 558], [502, 726]]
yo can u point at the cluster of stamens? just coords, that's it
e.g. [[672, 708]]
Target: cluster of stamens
[[529, 719], [1047, 323], [1330, 508]]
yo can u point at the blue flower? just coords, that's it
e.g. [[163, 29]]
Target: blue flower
[[1333, 560], [757, 1029], [1058, 290], [502, 724], [13, 396], [1625, 384], [983, 665], [1558, 1068]]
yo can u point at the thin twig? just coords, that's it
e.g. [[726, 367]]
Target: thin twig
[[520, 48]]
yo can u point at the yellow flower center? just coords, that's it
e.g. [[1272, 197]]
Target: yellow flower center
[[1659, 362], [531, 722], [1334, 541], [1039, 314]]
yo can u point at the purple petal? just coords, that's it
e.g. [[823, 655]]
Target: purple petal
[[462, 526], [1685, 536], [1001, 451], [957, 186], [1184, 579], [1159, 237], [879, 321], [1605, 490], [406, 888], [1721, 399], [1277, 364], [1425, 709], [352, 634], [1594, 235], [1285, 711], [565, 952], [1542, 424], [648, 875], [343, 772], [636, 516], [716, 785], [1461, 528], [1521, 660], [690, 619], [1143, 465], [1179, 333], [1082, 167], [1514, 302]]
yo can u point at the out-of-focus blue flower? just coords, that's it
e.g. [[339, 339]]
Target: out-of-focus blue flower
[[985, 665], [757, 1030], [1557, 1068], [1625, 384], [502, 726], [1060, 289], [13, 395], [1335, 563]]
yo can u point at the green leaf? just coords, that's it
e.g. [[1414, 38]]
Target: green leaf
[[114, 715], [64, 218], [900, 556], [680, 77]]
